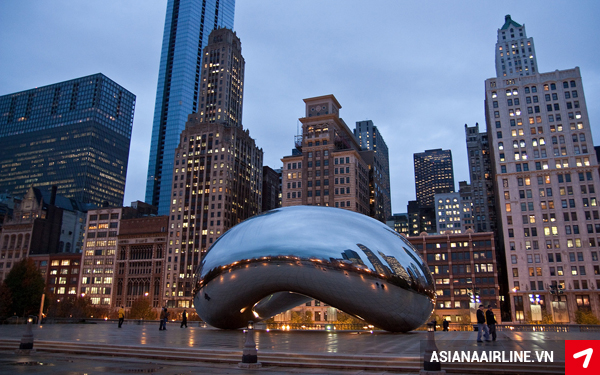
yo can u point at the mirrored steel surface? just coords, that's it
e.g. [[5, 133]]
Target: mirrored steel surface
[[285, 257]]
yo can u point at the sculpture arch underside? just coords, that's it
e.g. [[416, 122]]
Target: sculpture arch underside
[[288, 256]]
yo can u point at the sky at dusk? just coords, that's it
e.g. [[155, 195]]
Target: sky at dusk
[[415, 68]]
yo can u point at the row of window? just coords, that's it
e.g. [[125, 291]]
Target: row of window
[[557, 258], [114, 216]]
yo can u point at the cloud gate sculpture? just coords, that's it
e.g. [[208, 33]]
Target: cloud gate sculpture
[[288, 256]]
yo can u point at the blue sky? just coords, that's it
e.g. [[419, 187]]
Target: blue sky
[[416, 68]]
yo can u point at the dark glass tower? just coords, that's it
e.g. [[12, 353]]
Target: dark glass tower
[[375, 153], [73, 134], [188, 24], [433, 174]]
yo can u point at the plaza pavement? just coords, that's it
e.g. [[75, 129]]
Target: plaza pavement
[[143, 348]]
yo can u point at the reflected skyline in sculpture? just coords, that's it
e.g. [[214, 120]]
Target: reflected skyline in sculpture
[[287, 256]]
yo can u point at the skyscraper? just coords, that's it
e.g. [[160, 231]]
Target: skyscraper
[[433, 174], [188, 24], [217, 180], [515, 54], [375, 153], [546, 178], [482, 179], [72, 134]]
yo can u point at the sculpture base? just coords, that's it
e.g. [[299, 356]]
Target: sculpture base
[[249, 365], [25, 351]]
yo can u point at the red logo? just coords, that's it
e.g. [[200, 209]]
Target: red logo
[[582, 357]]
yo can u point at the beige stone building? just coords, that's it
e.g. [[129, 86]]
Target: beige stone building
[[326, 167]]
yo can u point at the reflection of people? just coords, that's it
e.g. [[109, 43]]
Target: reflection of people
[[183, 319], [446, 324], [481, 326], [491, 322], [434, 324], [121, 316]]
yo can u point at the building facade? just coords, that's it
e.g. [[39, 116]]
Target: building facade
[[188, 24], [74, 135], [546, 178], [399, 223], [140, 261], [375, 154], [546, 181], [326, 168], [453, 211], [99, 256], [464, 268], [217, 184], [61, 273]]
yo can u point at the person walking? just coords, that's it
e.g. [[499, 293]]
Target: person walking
[[166, 319], [481, 326], [184, 319], [445, 324], [121, 316], [491, 322], [162, 319]]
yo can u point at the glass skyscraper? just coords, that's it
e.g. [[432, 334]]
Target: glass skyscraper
[[188, 24], [72, 134]]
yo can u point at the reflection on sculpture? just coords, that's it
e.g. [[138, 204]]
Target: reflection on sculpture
[[287, 256]]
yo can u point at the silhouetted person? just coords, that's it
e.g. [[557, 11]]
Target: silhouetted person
[[481, 326], [446, 324], [184, 319], [491, 322]]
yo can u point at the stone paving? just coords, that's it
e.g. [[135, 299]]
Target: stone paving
[[359, 343]]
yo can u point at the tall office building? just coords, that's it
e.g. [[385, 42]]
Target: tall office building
[[326, 167], [218, 168], [72, 134], [188, 24], [515, 54], [375, 153], [433, 174], [546, 181], [482, 179]]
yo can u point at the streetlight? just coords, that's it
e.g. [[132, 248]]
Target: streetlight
[[249, 354]]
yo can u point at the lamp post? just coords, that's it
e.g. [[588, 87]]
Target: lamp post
[[41, 315], [250, 354], [428, 366]]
